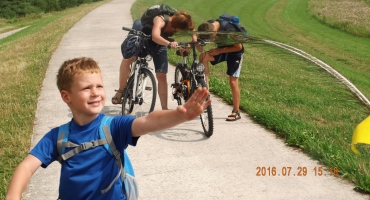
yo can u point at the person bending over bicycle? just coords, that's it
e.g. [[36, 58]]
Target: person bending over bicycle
[[232, 54], [162, 28]]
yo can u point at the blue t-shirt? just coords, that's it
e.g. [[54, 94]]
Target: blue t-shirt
[[84, 175]]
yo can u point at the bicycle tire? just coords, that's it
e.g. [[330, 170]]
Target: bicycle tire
[[206, 118], [178, 79], [146, 94]]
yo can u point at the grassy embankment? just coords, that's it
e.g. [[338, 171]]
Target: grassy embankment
[[296, 99]]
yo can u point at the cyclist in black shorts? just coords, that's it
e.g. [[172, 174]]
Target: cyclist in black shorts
[[162, 28], [232, 54]]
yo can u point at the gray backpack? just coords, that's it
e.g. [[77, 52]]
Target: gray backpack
[[150, 13]]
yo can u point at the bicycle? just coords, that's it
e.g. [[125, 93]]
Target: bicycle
[[140, 93], [188, 79]]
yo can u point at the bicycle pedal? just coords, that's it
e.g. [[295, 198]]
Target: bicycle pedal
[[148, 88]]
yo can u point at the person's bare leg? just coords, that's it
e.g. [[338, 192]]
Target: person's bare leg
[[235, 91], [162, 89], [205, 58], [124, 72]]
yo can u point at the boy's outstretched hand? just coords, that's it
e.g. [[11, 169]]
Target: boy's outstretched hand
[[196, 104], [163, 119]]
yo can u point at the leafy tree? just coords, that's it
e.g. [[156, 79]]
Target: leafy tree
[[19, 8], [16, 8]]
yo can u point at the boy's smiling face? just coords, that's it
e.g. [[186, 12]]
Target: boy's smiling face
[[86, 98]]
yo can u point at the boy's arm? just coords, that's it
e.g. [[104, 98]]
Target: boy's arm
[[22, 176], [163, 119]]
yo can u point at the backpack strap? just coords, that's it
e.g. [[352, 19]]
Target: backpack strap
[[63, 134], [165, 19], [104, 132], [63, 143], [106, 122], [82, 147], [223, 24]]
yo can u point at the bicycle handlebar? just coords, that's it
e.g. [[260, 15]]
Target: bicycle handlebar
[[136, 32], [192, 43]]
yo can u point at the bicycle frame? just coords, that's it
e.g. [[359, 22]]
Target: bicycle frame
[[191, 79], [140, 92], [135, 68], [191, 76]]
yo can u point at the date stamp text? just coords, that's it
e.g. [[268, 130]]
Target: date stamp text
[[296, 171]]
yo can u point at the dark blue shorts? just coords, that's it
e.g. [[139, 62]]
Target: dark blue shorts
[[160, 59], [234, 62]]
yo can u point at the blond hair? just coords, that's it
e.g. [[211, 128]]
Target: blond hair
[[75, 67]]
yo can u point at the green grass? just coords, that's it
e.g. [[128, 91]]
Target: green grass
[[351, 16], [24, 59], [296, 99], [292, 97]]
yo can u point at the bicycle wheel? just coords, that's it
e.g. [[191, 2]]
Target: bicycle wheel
[[179, 79], [145, 95], [206, 117]]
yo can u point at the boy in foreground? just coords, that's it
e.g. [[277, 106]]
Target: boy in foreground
[[85, 175]]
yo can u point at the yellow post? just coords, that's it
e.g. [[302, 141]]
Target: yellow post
[[361, 134]]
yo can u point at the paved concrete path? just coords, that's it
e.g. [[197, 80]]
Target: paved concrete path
[[180, 163]]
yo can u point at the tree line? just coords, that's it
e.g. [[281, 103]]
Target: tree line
[[19, 8]]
